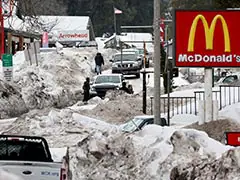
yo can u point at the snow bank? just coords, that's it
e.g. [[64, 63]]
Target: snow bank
[[118, 107], [231, 112], [99, 150], [163, 148], [55, 82], [148, 154], [227, 168], [195, 85], [11, 101]]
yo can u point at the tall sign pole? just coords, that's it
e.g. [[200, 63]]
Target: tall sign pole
[[157, 63]]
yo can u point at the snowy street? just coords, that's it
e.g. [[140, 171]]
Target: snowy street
[[90, 135]]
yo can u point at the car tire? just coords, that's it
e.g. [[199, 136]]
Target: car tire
[[138, 75]]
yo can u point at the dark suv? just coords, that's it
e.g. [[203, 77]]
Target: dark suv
[[127, 63]]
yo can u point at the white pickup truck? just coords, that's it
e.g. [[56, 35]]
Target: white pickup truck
[[29, 157]]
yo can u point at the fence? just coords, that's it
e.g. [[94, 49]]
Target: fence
[[31, 52], [226, 95]]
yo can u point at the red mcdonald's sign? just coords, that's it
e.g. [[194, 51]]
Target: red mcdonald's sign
[[207, 38]]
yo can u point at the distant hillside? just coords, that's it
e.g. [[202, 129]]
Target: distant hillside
[[43, 7], [135, 12]]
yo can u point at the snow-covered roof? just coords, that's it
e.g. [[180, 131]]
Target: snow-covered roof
[[135, 36], [13, 23], [139, 37], [52, 23], [66, 23]]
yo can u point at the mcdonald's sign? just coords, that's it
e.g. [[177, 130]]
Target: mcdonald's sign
[[207, 38]]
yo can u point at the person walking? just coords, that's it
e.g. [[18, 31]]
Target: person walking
[[86, 89], [99, 61]]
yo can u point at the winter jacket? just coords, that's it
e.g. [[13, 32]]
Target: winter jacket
[[99, 59], [86, 86]]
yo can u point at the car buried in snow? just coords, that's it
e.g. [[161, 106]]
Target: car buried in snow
[[138, 122], [105, 82], [29, 157]]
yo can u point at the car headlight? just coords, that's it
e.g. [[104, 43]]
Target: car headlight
[[135, 64], [93, 89]]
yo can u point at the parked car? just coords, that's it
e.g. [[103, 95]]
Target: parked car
[[105, 82], [29, 157], [138, 122], [126, 63], [229, 79]]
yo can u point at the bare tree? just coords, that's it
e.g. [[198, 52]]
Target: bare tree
[[42, 7], [30, 12]]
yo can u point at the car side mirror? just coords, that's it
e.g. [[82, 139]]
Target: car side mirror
[[139, 59], [110, 60]]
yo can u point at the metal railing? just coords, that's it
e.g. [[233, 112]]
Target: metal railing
[[200, 95], [226, 95], [230, 94], [179, 105]]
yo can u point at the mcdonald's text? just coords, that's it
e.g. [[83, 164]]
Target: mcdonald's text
[[198, 58], [207, 38]]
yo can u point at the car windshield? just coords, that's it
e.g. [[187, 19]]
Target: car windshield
[[132, 125], [107, 79], [125, 57], [141, 51]]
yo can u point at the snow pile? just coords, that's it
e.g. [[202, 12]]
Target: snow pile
[[232, 112], [118, 107], [99, 150], [195, 85], [149, 154], [227, 168], [217, 129], [58, 78], [163, 148], [56, 81], [11, 101]]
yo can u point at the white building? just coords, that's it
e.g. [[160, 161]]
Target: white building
[[64, 29], [68, 28], [133, 39]]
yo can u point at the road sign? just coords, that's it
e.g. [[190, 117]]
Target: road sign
[[207, 38], [232, 138], [7, 65]]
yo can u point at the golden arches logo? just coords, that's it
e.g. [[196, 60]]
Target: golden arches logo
[[209, 32]]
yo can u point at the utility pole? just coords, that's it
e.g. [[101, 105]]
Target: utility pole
[[157, 63], [144, 81]]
